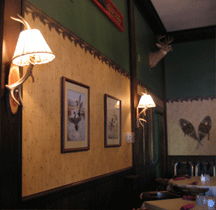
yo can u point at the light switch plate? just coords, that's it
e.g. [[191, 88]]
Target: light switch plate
[[130, 137]]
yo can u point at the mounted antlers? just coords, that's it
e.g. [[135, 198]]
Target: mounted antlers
[[155, 57]]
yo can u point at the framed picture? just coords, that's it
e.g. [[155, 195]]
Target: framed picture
[[75, 116], [112, 122]]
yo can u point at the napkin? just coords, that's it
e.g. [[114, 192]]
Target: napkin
[[189, 197], [187, 207], [193, 183]]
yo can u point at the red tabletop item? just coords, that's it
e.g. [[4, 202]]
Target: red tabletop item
[[189, 197], [187, 207]]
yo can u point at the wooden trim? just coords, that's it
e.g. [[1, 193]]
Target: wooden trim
[[151, 16], [66, 33], [10, 129], [81, 185], [191, 156], [133, 70], [2, 3], [195, 34]]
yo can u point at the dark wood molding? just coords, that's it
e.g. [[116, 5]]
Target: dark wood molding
[[133, 73], [196, 34], [165, 119], [2, 3], [152, 18], [66, 33], [10, 129], [149, 13], [193, 157], [74, 188]]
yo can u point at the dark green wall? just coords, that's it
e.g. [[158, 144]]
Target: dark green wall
[[84, 18], [190, 69], [145, 43]]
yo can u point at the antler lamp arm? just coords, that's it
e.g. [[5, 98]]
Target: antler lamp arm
[[17, 85], [139, 119]]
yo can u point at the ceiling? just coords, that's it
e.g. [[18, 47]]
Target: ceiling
[[185, 20], [185, 14]]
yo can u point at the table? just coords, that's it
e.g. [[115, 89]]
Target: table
[[172, 204], [211, 184]]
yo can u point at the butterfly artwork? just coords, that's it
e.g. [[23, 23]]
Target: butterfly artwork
[[203, 129]]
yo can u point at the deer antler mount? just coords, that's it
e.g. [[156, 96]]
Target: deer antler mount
[[165, 47]]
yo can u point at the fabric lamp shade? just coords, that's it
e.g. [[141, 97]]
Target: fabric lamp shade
[[32, 43], [146, 101]]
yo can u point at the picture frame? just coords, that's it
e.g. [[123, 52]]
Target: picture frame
[[112, 121], [75, 116]]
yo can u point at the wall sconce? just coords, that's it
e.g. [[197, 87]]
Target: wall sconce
[[145, 102], [31, 49]]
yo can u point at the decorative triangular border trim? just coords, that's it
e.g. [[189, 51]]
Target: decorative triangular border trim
[[149, 89], [61, 30], [191, 99]]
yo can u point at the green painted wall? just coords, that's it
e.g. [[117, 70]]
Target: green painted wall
[[190, 69], [145, 43], [84, 18]]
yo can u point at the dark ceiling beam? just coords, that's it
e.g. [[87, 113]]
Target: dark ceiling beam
[[152, 18], [149, 13], [195, 34]]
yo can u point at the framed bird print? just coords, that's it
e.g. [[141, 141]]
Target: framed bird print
[[75, 116], [112, 122]]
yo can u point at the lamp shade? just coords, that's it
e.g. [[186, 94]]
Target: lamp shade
[[32, 43], [146, 101]]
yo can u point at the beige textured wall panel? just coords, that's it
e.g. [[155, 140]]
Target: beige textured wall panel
[[194, 112], [44, 167]]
